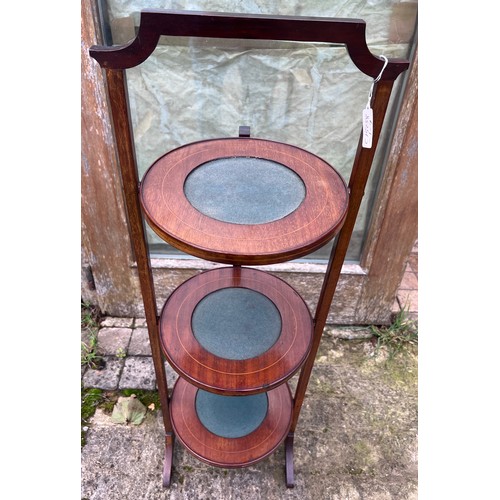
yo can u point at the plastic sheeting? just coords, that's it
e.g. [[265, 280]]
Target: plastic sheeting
[[310, 96]]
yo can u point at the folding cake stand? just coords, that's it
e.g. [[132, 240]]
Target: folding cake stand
[[235, 335]]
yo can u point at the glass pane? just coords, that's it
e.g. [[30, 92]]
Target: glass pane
[[307, 95]]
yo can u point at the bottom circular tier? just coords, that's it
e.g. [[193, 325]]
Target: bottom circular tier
[[230, 431]]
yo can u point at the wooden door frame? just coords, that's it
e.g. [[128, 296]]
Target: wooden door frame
[[109, 279], [393, 227], [365, 293]]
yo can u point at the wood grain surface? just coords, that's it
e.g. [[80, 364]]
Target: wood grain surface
[[315, 222], [156, 22], [230, 376], [230, 452]]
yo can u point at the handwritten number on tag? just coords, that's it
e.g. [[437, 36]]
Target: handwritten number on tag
[[367, 127], [368, 112]]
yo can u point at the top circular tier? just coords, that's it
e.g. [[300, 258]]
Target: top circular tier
[[244, 201]]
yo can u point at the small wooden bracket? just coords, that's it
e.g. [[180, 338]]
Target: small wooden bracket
[[244, 131]]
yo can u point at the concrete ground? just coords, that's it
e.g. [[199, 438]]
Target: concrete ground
[[356, 438]]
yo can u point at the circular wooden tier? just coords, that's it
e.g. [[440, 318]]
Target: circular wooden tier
[[235, 330], [230, 431], [244, 201]]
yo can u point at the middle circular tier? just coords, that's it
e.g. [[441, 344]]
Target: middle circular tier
[[235, 330], [244, 201]]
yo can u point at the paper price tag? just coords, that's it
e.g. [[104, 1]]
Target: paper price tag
[[368, 111], [367, 127]]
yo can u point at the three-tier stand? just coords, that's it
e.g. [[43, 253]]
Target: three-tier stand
[[235, 335]]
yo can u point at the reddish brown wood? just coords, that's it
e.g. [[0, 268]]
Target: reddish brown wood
[[153, 23], [226, 376], [122, 128], [290, 481], [230, 452], [310, 226], [281, 418], [168, 459]]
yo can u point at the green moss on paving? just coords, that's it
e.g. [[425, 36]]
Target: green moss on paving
[[146, 397], [92, 398]]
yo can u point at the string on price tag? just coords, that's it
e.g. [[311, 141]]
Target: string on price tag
[[368, 111]]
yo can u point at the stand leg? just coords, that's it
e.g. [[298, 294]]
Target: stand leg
[[290, 482], [167, 464]]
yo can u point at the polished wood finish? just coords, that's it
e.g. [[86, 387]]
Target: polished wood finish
[[289, 476], [230, 452], [168, 459], [230, 376], [365, 297], [282, 416], [118, 102], [154, 23], [310, 226]]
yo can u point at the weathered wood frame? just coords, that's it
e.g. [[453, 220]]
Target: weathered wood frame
[[155, 23]]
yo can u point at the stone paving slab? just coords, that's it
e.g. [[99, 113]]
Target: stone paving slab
[[171, 376], [348, 333], [138, 373], [356, 440], [106, 379], [139, 343], [112, 341], [140, 323], [117, 322]]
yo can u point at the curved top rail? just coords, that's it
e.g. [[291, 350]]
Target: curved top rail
[[156, 22]]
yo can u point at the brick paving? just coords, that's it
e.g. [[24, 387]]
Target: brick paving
[[407, 295]]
